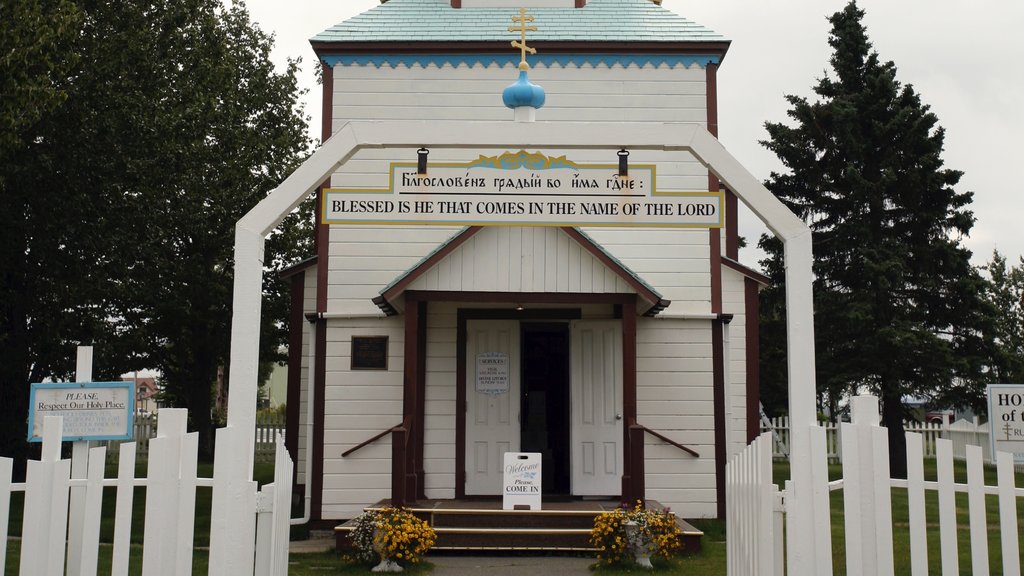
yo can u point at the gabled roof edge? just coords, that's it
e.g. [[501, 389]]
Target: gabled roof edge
[[746, 271]]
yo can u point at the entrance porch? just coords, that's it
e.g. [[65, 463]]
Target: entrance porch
[[480, 524]]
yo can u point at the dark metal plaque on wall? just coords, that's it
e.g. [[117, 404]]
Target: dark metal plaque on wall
[[369, 352]]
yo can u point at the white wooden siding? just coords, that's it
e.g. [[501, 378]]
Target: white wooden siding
[[675, 397], [358, 405], [632, 94], [363, 260], [308, 306], [439, 411], [506, 259], [734, 302]]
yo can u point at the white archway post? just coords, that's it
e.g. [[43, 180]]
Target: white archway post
[[810, 545]]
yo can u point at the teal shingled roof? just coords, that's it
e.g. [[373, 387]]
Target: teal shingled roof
[[437, 21]]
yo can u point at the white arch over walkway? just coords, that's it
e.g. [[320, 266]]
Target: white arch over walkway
[[807, 511]]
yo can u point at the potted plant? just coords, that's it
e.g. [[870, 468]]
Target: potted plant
[[634, 535], [392, 538]]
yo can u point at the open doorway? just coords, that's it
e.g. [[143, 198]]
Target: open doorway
[[545, 401]]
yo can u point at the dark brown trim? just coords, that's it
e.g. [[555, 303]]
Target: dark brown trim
[[520, 297], [369, 441], [456, 3], [748, 273], [718, 365], [316, 483], [715, 244], [498, 47], [711, 95], [321, 238], [327, 107], [396, 289], [633, 484], [296, 328], [461, 405], [411, 402], [421, 396], [752, 319], [670, 441], [714, 234], [462, 316], [732, 235]]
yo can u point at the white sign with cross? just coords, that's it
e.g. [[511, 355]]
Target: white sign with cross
[[1006, 417]]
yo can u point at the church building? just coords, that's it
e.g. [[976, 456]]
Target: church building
[[483, 317]]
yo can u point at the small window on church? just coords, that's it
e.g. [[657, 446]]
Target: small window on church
[[369, 353]]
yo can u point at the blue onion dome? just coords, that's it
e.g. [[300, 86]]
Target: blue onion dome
[[523, 93]]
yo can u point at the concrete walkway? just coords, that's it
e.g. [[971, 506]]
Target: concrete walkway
[[510, 565], [459, 565]]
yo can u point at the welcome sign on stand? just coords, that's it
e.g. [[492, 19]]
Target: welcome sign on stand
[[522, 489]]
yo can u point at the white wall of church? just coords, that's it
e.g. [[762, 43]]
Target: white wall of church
[[365, 259], [675, 374], [733, 295], [528, 259], [675, 397], [308, 305], [357, 406]]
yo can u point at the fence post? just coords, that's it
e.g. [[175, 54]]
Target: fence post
[[123, 515], [274, 515], [867, 499], [6, 471], [44, 533], [1008, 514], [79, 468], [233, 510]]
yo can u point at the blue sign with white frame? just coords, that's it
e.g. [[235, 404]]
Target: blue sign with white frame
[[91, 410]]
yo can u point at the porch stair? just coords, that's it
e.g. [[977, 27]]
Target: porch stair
[[481, 525]]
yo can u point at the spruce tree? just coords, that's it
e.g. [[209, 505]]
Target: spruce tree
[[898, 306]]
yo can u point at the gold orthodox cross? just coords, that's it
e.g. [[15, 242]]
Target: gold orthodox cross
[[522, 19]]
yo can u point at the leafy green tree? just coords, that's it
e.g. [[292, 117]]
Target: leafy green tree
[[175, 123], [37, 39], [37, 53], [899, 309], [1007, 299]]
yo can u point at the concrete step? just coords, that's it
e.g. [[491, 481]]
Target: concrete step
[[473, 525]]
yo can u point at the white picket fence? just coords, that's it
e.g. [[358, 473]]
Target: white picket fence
[[249, 527], [268, 428], [754, 516], [961, 433]]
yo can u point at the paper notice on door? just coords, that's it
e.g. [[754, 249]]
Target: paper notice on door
[[492, 373]]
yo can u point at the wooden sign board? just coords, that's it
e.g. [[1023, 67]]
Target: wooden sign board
[[1006, 418], [91, 410], [523, 189], [369, 353], [522, 485]]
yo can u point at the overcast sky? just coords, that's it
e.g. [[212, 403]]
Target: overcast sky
[[963, 56]]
